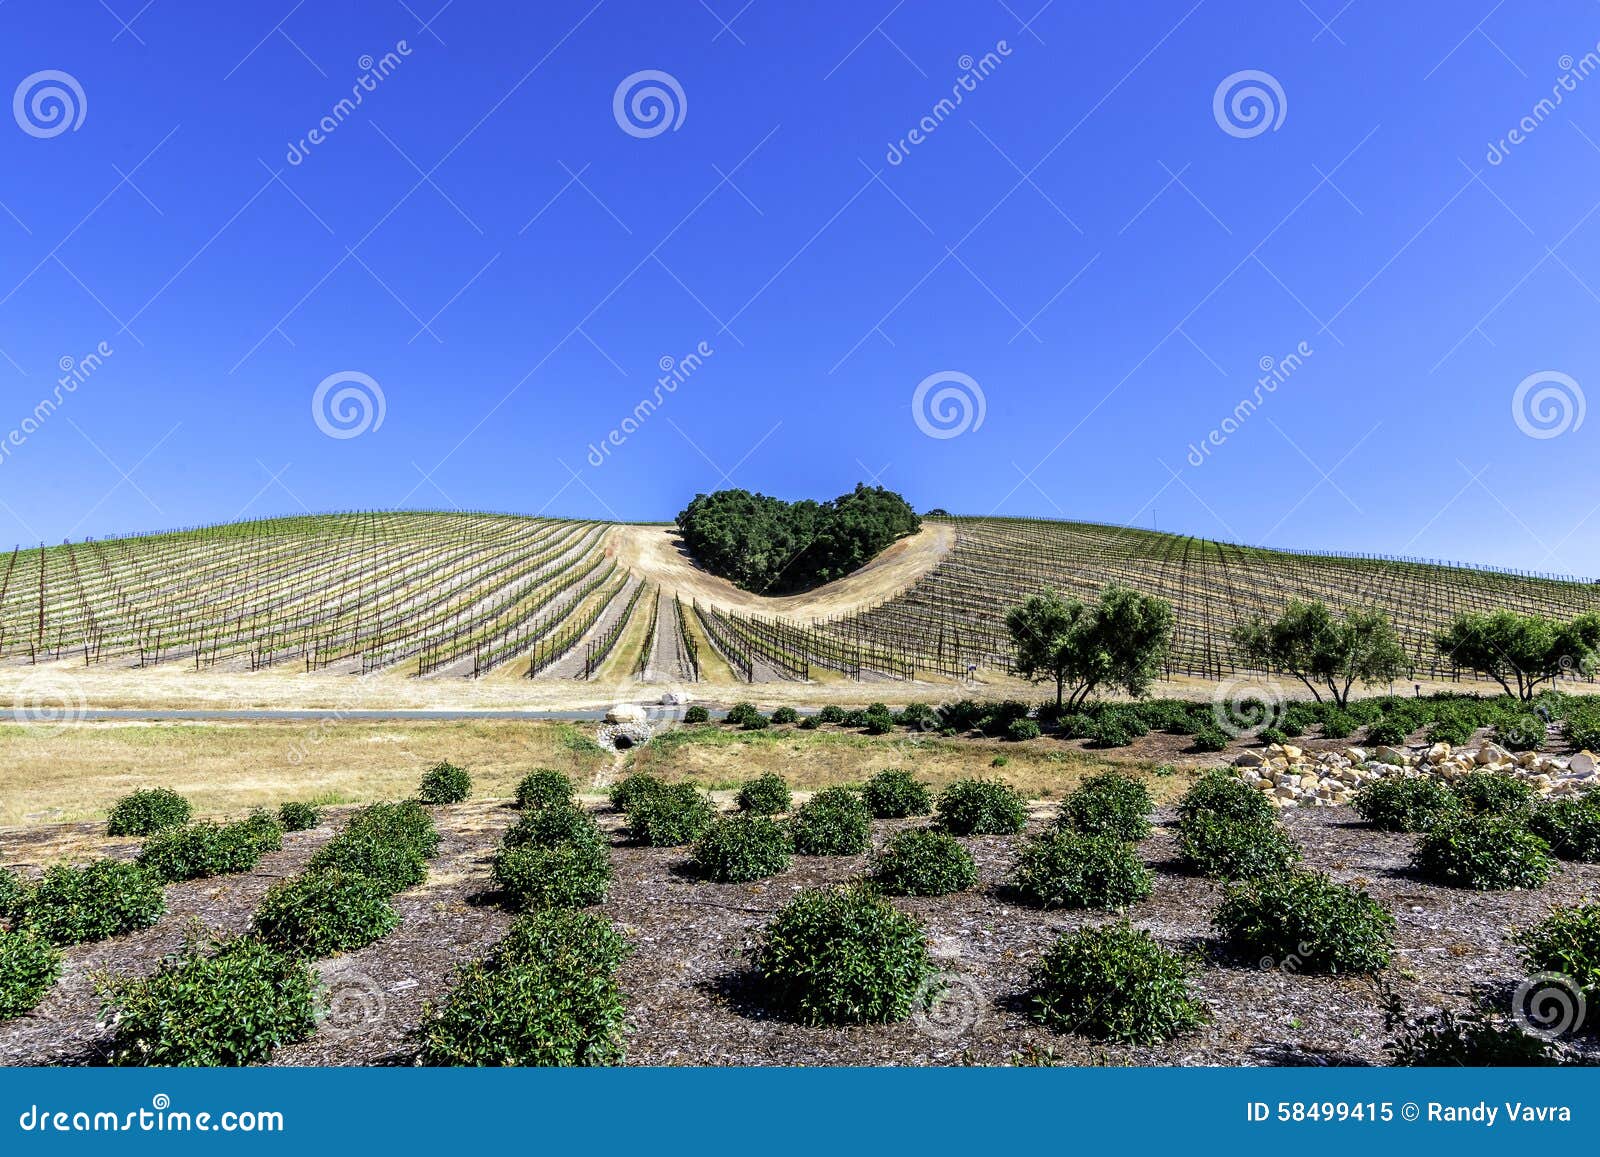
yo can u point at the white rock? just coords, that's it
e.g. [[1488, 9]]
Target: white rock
[[675, 699], [625, 713], [1584, 763]]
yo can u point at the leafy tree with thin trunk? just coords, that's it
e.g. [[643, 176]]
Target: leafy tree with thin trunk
[[1119, 641], [1526, 649], [1328, 652]]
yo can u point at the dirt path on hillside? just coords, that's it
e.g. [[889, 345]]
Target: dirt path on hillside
[[655, 553]]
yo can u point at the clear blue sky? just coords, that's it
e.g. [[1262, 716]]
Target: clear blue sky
[[1080, 237]]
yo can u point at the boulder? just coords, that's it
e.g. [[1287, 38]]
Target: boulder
[[675, 699], [1584, 763], [1247, 759], [625, 713]]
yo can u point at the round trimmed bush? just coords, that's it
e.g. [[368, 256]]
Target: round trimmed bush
[[1221, 793], [1337, 724], [324, 912], [1208, 737], [830, 714], [894, 794], [1226, 848], [444, 783], [1466, 1038], [1270, 735], [543, 787], [1117, 984], [299, 817], [564, 1012], [1110, 730], [1022, 730], [923, 862], [261, 830], [742, 713], [1405, 803], [696, 714], [739, 849], [1494, 793], [1074, 725], [406, 824], [147, 812], [196, 851], [633, 787], [1455, 731], [1581, 730], [981, 807], [842, 956], [1570, 826], [231, 1006], [785, 715], [29, 965], [1109, 804], [1520, 733], [1567, 942], [549, 827], [766, 795], [572, 875], [1305, 921], [1389, 731], [14, 893], [1062, 869], [104, 898], [671, 816], [1485, 853], [832, 823], [393, 867], [562, 934]]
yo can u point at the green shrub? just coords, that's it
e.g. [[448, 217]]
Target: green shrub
[[262, 830], [1221, 793], [299, 817], [981, 807], [1567, 943], [842, 956], [632, 787], [1062, 869], [923, 862], [1115, 983], [1570, 826], [74, 905], [739, 849], [807, 723], [832, 823], [406, 824], [1337, 724], [1520, 733], [1465, 1039], [697, 714], [1405, 803], [918, 717], [757, 722], [1389, 732], [564, 1012], [1109, 804], [555, 935], [1110, 731], [393, 867], [146, 812], [231, 1006], [444, 783], [1455, 732], [325, 912], [785, 715], [1231, 848], [1304, 922], [766, 795], [1494, 793], [14, 893], [543, 787], [1209, 738], [1271, 735], [830, 714], [1022, 730], [571, 875], [549, 827], [1075, 725], [196, 851], [29, 965], [1582, 730], [1485, 853], [895, 793], [671, 816], [742, 714]]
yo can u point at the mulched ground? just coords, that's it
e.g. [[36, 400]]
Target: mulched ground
[[688, 989]]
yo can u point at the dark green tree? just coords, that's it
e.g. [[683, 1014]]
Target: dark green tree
[[1119, 641], [1325, 651], [1524, 650]]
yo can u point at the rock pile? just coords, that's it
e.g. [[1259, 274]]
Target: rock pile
[[1292, 777]]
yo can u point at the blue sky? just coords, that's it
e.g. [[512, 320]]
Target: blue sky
[[1082, 242]]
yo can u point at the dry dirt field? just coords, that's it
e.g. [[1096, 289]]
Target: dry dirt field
[[687, 987]]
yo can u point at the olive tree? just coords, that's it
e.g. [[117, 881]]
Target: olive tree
[[1326, 651], [1119, 641], [1529, 649]]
